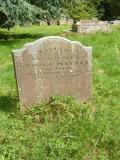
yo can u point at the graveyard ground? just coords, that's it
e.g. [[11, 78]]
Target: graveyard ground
[[62, 129]]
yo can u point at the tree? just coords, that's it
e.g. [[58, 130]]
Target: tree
[[18, 12], [107, 9], [53, 7], [82, 10], [24, 11], [115, 8]]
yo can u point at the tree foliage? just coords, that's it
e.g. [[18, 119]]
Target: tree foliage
[[20, 12], [115, 8], [82, 10]]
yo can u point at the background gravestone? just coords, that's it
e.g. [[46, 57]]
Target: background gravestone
[[52, 66]]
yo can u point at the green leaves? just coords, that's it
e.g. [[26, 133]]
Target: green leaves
[[22, 12], [13, 12], [82, 10]]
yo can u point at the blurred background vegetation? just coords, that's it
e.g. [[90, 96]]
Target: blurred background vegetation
[[22, 12]]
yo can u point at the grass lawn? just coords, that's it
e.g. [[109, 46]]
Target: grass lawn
[[62, 128]]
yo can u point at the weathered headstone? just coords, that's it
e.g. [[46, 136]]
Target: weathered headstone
[[52, 66]]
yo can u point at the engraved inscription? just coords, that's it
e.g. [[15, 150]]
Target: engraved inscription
[[53, 66]]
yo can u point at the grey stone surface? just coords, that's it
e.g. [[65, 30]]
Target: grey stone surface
[[88, 26], [116, 22], [52, 66]]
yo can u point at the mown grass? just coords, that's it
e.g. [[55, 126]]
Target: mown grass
[[62, 128]]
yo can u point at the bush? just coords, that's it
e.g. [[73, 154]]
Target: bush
[[82, 11]]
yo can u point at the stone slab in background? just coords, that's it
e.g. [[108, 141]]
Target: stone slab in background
[[116, 22], [89, 26], [52, 66]]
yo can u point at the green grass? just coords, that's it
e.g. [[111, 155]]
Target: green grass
[[62, 128]]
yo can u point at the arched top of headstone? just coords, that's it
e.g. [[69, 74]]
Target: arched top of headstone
[[32, 47]]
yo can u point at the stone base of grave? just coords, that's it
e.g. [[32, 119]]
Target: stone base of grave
[[85, 28]]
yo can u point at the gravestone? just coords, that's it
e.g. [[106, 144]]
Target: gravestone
[[89, 22], [89, 26], [52, 66]]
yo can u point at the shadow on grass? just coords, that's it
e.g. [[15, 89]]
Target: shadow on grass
[[5, 36], [8, 103]]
